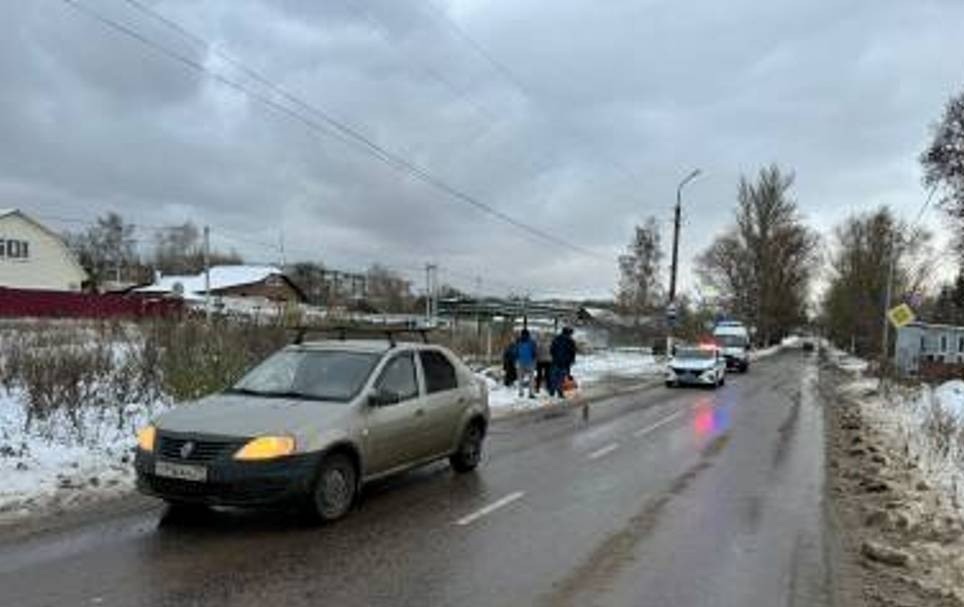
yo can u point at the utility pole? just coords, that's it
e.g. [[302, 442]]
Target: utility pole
[[207, 272], [431, 308], [888, 294], [677, 219]]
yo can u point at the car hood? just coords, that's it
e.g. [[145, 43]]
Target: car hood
[[245, 416], [692, 365]]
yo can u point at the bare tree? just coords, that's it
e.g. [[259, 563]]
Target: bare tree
[[853, 303], [106, 250], [639, 269], [943, 163], [763, 266], [389, 291], [178, 250], [310, 278]]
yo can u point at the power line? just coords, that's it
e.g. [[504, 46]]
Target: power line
[[347, 133]]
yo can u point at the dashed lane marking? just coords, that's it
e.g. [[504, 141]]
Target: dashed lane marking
[[604, 451], [644, 431], [485, 510]]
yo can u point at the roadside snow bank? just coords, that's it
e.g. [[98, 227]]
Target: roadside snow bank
[[924, 423], [788, 342], [950, 396], [57, 465], [590, 370], [844, 361]]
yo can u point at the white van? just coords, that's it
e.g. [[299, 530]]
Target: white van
[[733, 339]]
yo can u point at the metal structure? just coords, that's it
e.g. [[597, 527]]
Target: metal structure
[[491, 307]]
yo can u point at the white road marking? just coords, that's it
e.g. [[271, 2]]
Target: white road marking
[[644, 431], [499, 503], [604, 451]]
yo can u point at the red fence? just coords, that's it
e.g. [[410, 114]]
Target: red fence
[[21, 303]]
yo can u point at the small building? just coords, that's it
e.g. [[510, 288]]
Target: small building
[[33, 256], [928, 347], [227, 283]]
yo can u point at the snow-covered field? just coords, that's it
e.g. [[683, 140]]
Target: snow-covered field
[[589, 371], [54, 466]]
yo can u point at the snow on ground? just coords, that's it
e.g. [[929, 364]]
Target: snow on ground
[[950, 397], [925, 422], [846, 361], [788, 342], [54, 466], [589, 371]]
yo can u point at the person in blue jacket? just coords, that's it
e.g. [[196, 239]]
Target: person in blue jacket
[[525, 361]]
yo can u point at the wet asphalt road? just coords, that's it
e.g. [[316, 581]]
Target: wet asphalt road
[[665, 497]]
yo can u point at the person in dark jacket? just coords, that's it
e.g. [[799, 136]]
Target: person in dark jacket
[[543, 361], [525, 356], [563, 352], [508, 365]]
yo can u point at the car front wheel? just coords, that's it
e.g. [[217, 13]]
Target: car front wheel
[[335, 489], [469, 453]]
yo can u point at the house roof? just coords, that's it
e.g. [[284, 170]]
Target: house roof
[[222, 277]]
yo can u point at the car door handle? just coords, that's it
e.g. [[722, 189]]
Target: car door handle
[[419, 412]]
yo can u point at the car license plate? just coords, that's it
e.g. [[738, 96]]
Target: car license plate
[[181, 471]]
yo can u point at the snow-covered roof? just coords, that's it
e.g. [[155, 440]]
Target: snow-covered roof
[[222, 277], [5, 212]]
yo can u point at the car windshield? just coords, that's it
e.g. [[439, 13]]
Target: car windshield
[[321, 375], [731, 341], [694, 353]]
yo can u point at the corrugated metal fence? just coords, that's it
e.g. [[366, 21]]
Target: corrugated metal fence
[[30, 303]]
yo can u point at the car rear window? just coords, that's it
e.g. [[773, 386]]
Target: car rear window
[[439, 372]]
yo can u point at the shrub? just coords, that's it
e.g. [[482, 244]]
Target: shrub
[[196, 358]]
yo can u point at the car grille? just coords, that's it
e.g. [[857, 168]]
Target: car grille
[[203, 450]]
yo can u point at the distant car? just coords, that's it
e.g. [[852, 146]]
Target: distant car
[[312, 423], [701, 365], [809, 345], [734, 340]]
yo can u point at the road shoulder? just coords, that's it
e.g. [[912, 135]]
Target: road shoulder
[[890, 528]]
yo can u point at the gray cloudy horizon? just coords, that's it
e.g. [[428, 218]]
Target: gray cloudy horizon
[[582, 126]]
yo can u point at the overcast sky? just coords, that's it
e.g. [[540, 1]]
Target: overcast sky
[[577, 117]]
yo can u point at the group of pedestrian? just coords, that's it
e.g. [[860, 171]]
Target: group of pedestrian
[[533, 363]]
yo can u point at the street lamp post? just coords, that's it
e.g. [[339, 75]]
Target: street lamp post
[[673, 269]]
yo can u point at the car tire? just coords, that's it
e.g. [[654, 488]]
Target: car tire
[[670, 384], [335, 488], [722, 380], [469, 452]]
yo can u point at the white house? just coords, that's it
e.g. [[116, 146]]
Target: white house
[[920, 341], [34, 257]]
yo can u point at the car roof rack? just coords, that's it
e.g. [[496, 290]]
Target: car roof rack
[[344, 332]]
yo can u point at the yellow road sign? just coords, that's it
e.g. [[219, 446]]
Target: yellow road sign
[[900, 315]]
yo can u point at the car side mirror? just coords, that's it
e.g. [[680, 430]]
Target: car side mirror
[[380, 397]]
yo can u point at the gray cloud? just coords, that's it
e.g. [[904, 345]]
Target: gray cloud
[[617, 101]]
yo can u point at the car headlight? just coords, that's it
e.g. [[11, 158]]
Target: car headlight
[[266, 447], [145, 438]]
